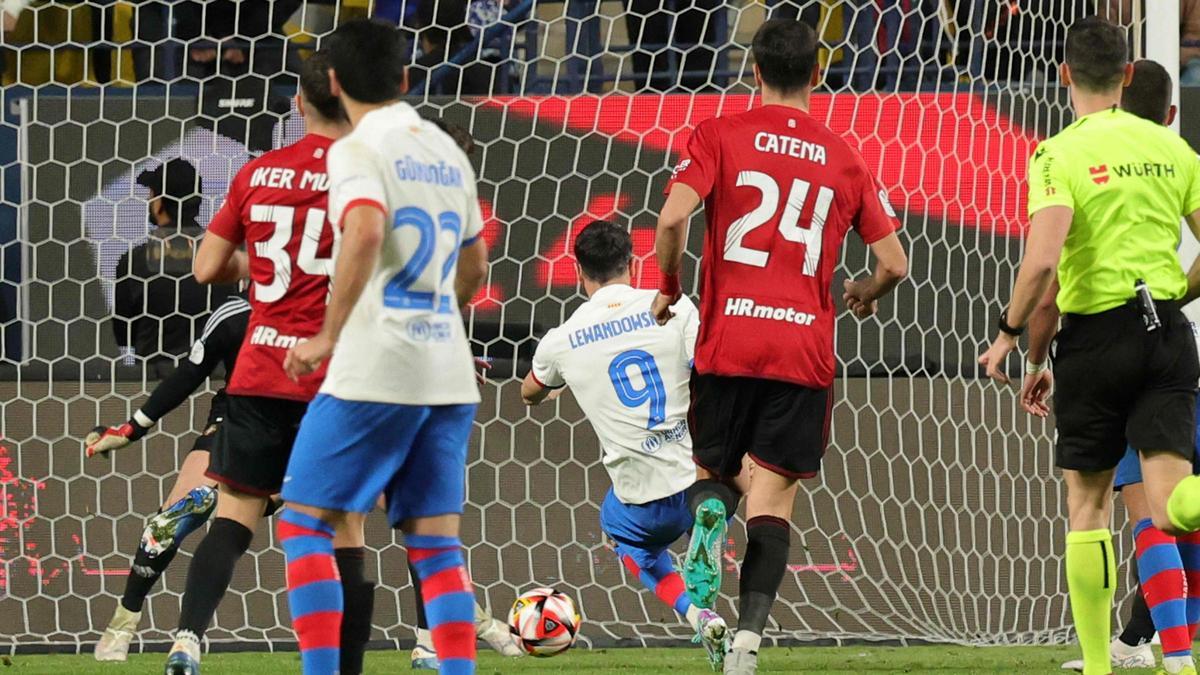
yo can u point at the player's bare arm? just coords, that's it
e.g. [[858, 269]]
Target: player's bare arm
[[1039, 379], [533, 393], [669, 242], [472, 271], [1048, 229], [219, 261], [1193, 275], [891, 267], [362, 237]]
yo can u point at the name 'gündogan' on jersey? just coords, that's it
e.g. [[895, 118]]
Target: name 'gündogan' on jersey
[[404, 341]]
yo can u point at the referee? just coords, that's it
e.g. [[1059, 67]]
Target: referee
[[1105, 198]]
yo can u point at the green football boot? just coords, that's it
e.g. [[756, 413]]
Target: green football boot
[[702, 565]]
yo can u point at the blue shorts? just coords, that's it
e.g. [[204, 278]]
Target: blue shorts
[[1129, 469], [349, 452], [644, 531]]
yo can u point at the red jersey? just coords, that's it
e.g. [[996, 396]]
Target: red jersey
[[780, 193], [277, 205]]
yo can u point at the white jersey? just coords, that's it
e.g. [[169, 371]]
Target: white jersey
[[631, 377], [404, 342]]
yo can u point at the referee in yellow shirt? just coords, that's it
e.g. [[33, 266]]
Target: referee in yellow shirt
[[1105, 198]]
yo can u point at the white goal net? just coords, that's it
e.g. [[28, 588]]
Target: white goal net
[[938, 515]]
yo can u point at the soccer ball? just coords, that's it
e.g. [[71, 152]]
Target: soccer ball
[[544, 622]]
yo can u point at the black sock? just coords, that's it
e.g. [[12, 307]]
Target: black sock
[[210, 572], [273, 505], [709, 488], [358, 597], [767, 542], [144, 574], [422, 622], [1139, 630]]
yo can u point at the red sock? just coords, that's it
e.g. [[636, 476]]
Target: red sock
[[1161, 571], [314, 590], [1189, 551]]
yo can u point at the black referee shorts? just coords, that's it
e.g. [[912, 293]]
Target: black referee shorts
[[1117, 385]]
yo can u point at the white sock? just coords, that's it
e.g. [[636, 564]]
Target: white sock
[[744, 639], [481, 615], [1174, 664], [186, 640], [425, 639], [693, 616]]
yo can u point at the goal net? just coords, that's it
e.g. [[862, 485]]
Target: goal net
[[938, 515]]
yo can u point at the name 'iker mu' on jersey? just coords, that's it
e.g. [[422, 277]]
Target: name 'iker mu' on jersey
[[404, 342], [630, 376], [277, 206]]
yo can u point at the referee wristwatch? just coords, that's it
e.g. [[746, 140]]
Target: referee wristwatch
[[1002, 324]]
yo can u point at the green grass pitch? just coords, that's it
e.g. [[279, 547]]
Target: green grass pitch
[[601, 661]]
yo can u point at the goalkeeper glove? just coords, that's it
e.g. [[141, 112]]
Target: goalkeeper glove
[[104, 439]]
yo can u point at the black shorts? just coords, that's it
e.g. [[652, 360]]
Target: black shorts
[[1117, 385], [216, 415], [253, 444], [784, 427]]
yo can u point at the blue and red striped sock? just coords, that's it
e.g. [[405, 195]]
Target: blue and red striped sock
[[1189, 552], [1160, 569], [449, 599], [314, 589], [662, 580]]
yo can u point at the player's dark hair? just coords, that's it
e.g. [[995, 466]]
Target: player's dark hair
[[368, 57], [1097, 53], [1149, 93], [603, 250], [183, 212], [314, 86], [461, 136], [786, 53]]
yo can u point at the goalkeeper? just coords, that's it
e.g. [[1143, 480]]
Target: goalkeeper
[[1105, 198], [1163, 562], [193, 497]]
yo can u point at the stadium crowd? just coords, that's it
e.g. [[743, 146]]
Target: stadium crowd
[[517, 46]]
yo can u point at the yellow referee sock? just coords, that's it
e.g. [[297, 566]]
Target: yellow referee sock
[[1183, 508], [1092, 580]]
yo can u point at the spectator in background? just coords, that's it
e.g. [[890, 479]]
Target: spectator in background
[[446, 27], [875, 36], [666, 33], [158, 306], [10, 11], [233, 38], [1120, 12]]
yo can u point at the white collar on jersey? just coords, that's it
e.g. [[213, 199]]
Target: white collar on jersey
[[611, 289], [398, 109]]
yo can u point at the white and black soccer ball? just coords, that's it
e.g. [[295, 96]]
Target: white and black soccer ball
[[544, 622]]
